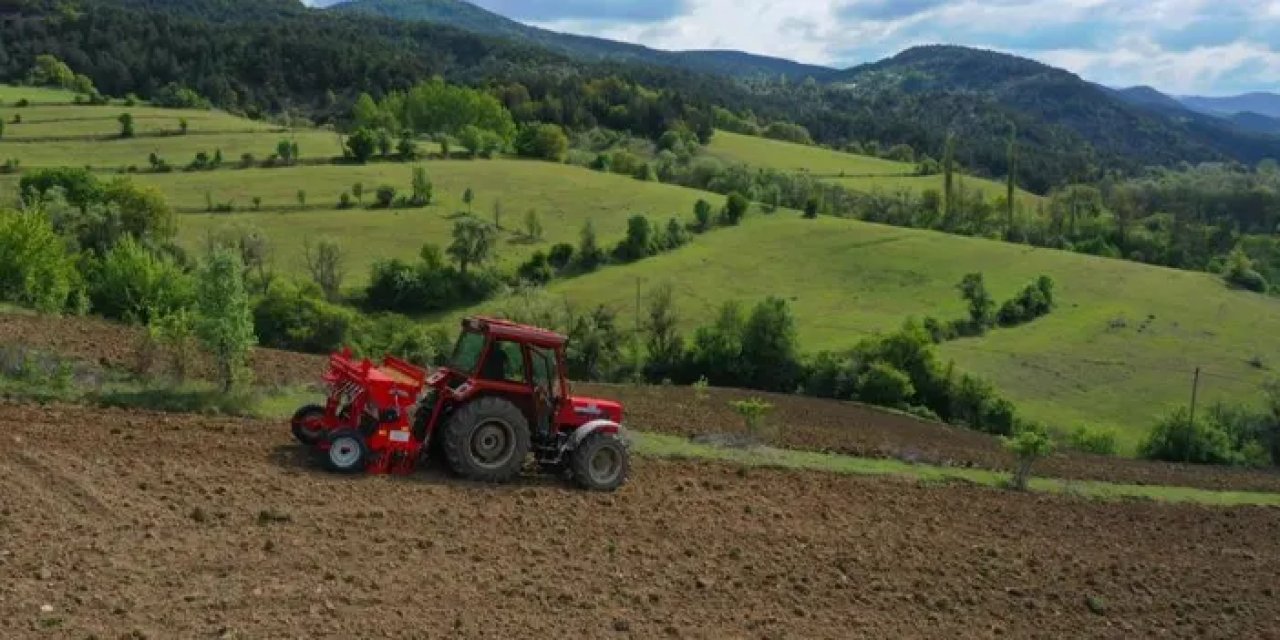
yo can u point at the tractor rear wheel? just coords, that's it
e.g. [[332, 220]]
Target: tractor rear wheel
[[347, 452], [308, 424], [487, 440], [601, 462]]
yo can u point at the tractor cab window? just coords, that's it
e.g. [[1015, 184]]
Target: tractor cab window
[[505, 363], [466, 354], [545, 374]]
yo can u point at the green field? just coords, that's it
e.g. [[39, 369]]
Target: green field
[[565, 197], [178, 151], [786, 156], [10, 94], [82, 120], [1092, 361], [855, 172]]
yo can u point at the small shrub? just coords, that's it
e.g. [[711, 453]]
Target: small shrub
[[753, 412], [882, 384], [1029, 444], [700, 387], [1094, 440]]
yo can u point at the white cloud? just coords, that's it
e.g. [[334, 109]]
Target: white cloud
[[1176, 45]]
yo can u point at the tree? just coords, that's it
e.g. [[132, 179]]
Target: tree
[[770, 346], [224, 322], [476, 141], [473, 243], [294, 154], [302, 198], [543, 141], [182, 126], [639, 240], [35, 268], [361, 144], [589, 254], [1011, 182], [80, 187], [811, 208], [533, 225], [284, 149], [948, 177], [126, 125], [357, 190], [1030, 443], [1126, 205], [385, 196], [1, 128], [981, 305], [50, 71], [324, 263], [735, 208], [663, 342], [422, 188], [702, 214], [468, 197], [407, 147], [497, 214]]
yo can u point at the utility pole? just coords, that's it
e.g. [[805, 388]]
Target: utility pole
[[1195, 388]]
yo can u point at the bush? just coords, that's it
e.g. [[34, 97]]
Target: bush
[[537, 270], [385, 196], [131, 283], [403, 338], [1240, 272], [35, 268], [1097, 441], [560, 256], [1178, 438], [753, 412], [224, 321], [881, 384], [298, 318], [542, 141]]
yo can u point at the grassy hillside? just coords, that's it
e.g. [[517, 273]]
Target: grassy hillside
[[565, 198], [859, 173], [178, 151], [1118, 351]]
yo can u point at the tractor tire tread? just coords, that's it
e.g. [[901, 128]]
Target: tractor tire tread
[[456, 440], [580, 459]]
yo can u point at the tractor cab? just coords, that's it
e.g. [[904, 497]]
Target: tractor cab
[[502, 394]]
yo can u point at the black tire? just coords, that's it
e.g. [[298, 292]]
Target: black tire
[[486, 440], [601, 462], [347, 452], [304, 424]]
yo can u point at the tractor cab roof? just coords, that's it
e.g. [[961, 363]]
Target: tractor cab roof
[[513, 331]]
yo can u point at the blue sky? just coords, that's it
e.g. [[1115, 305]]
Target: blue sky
[[1179, 46]]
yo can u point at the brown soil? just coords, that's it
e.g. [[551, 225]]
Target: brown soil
[[797, 422], [854, 429], [118, 346], [124, 524]]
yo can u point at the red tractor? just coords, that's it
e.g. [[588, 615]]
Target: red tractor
[[502, 395]]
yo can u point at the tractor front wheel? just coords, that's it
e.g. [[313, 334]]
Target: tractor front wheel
[[601, 462], [487, 440], [347, 452], [308, 424]]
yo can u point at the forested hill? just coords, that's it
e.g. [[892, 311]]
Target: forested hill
[[1120, 132], [465, 15]]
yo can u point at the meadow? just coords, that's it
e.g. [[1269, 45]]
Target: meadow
[[1118, 351]]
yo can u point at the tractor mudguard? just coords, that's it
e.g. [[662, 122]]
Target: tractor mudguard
[[601, 426]]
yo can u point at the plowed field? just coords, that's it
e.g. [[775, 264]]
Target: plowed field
[[117, 524], [797, 422]]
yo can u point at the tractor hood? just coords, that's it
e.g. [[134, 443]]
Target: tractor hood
[[585, 410]]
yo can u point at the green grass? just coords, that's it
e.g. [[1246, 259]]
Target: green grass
[[10, 94], [178, 151], [855, 172], [666, 446], [846, 279], [84, 120], [787, 156], [565, 197]]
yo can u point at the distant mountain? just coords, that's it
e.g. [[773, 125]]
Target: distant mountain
[[1265, 104], [464, 15], [1144, 96], [1133, 127], [1250, 121]]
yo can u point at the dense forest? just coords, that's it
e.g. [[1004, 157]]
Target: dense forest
[[276, 56]]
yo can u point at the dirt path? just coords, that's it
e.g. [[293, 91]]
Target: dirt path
[[166, 526]]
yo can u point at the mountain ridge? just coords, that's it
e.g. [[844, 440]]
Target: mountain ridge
[[464, 15]]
